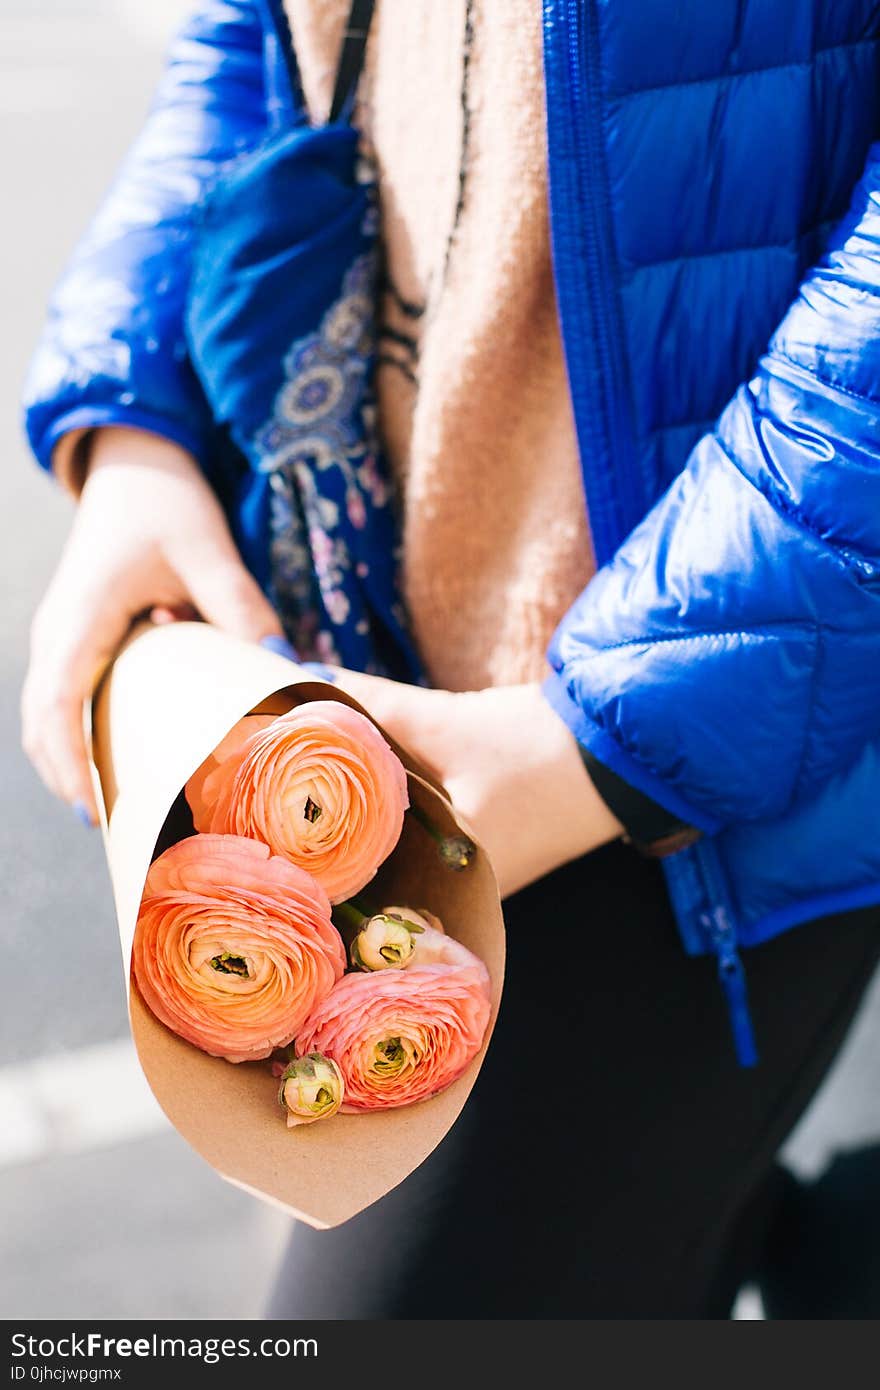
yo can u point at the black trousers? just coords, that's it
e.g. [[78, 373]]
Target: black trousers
[[613, 1159]]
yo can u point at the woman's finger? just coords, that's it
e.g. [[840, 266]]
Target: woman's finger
[[222, 589], [53, 738], [164, 613], [65, 659]]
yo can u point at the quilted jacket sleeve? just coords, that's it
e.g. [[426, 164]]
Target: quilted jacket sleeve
[[113, 349], [726, 661]]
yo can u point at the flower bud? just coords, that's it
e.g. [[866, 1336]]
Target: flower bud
[[417, 917], [386, 940], [457, 852], [311, 1089]]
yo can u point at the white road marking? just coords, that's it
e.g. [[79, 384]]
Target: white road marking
[[73, 1102]]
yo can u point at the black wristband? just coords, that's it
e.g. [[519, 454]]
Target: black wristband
[[649, 826]]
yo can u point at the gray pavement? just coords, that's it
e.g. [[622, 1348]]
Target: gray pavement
[[143, 1228], [139, 1228]]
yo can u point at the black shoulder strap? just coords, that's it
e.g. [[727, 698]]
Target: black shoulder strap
[[351, 59]]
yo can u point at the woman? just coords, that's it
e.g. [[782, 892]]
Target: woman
[[584, 468]]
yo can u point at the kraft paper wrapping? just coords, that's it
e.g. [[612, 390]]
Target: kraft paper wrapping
[[165, 703]]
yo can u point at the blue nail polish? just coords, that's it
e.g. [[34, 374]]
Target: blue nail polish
[[279, 645], [81, 810], [315, 668]]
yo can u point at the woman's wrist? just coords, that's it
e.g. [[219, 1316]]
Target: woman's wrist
[[532, 803], [590, 819], [649, 826], [81, 453], [70, 460]]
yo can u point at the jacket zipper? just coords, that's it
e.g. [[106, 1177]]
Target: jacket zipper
[[593, 332], [721, 934]]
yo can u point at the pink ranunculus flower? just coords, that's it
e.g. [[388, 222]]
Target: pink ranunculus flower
[[319, 785], [234, 947], [400, 1036]]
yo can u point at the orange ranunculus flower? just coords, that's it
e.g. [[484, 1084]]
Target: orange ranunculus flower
[[234, 947], [318, 785], [201, 789], [400, 1036]]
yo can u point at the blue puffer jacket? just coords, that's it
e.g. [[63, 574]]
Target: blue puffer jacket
[[715, 204]]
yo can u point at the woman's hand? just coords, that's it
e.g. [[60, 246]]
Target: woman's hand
[[149, 536], [509, 763]]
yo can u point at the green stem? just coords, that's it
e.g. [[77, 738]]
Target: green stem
[[456, 851], [360, 906], [350, 915], [426, 823]]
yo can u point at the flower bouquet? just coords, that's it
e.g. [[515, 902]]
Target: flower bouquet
[[313, 943]]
